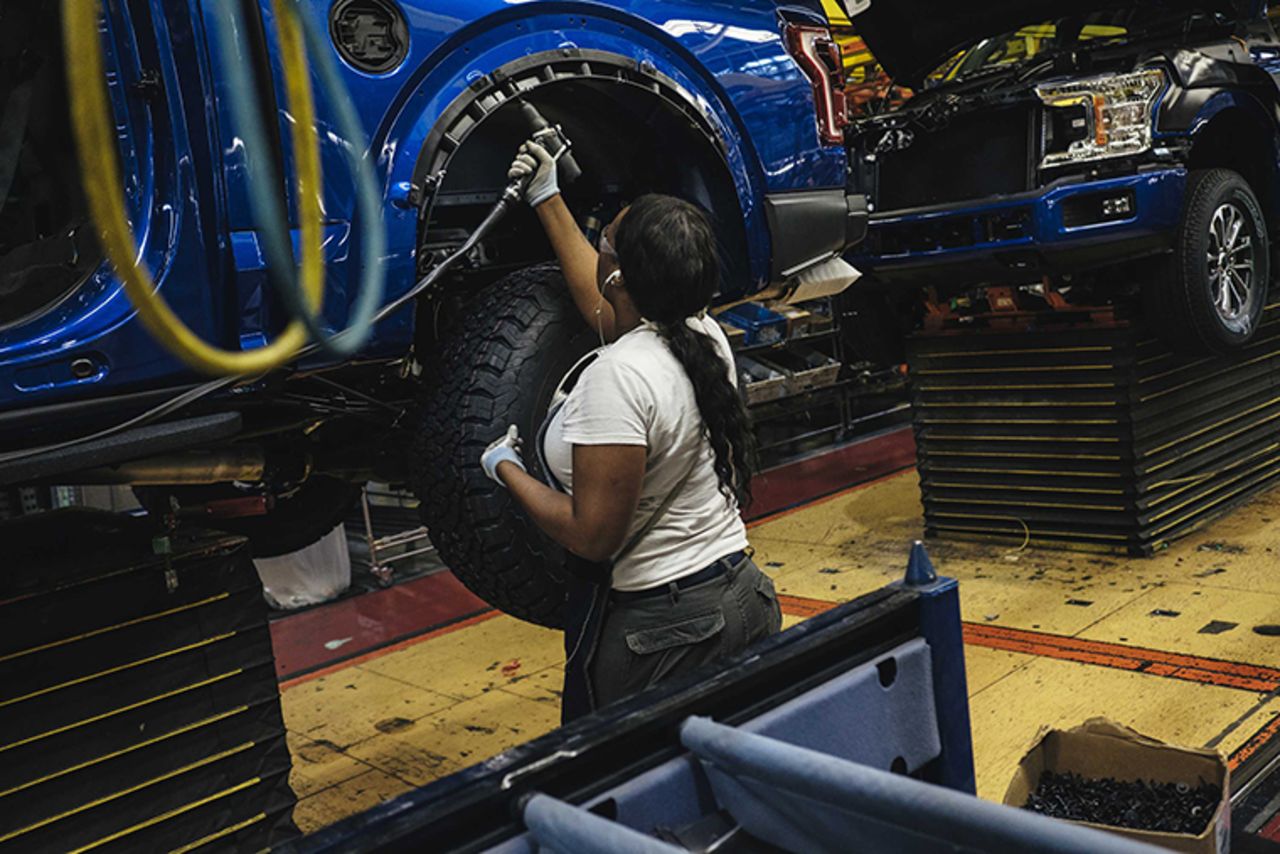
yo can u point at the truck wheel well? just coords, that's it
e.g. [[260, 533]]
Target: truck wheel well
[[633, 131], [1235, 140]]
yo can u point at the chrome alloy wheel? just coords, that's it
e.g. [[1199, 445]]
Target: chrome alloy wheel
[[1232, 262]]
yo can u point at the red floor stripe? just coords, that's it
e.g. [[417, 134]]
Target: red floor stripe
[[824, 475], [1190, 668], [377, 638], [1271, 830], [353, 626], [388, 649], [377, 619]]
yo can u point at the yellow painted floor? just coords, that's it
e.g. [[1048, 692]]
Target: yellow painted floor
[[397, 721]]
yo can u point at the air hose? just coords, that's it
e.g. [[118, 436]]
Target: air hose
[[96, 144], [263, 180]]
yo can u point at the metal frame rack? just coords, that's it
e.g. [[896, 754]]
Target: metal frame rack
[[863, 399], [139, 707], [1089, 434]]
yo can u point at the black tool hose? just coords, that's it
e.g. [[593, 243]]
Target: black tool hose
[[496, 215]]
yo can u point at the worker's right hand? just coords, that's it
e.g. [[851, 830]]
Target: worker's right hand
[[504, 450], [537, 168]]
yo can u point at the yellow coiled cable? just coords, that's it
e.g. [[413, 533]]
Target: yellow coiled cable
[[96, 143]]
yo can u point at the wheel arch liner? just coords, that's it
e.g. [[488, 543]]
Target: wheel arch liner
[[488, 94], [1222, 106], [427, 130]]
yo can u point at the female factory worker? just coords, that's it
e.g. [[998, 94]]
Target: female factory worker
[[651, 451]]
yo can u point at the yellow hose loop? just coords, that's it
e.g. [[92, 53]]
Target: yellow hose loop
[[96, 143], [306, 148]]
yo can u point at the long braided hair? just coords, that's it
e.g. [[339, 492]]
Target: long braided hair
[[670, 266]]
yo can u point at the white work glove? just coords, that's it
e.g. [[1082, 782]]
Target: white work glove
[[539, 167], [504, 450]]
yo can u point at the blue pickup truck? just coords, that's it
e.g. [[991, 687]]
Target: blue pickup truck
[[736, 105], [1122, 152]]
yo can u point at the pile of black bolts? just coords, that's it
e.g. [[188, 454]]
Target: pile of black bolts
[[1141, 805]]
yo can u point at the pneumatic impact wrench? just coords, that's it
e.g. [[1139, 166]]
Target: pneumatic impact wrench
[[552, 138]]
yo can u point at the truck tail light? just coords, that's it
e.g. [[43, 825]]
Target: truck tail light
[[819, 56]]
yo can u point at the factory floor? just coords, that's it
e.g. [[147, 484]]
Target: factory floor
[[1184, 647]]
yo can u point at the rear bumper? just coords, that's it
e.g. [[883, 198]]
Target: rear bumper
[[812, 226], [1060, 229]]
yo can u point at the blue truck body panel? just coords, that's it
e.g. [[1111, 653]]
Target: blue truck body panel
[[185, 172], [174, 202]]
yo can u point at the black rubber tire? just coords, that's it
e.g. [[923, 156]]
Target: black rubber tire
[[499, 367], [299, 518], [1179, 305]]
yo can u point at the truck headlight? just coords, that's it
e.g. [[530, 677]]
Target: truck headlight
[[1100, 117]]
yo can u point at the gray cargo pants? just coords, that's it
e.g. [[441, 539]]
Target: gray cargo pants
[[654, 640]]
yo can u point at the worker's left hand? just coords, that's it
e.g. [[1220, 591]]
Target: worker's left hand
[[537, 168], [504, 450]]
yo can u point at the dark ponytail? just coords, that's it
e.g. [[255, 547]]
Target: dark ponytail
[[670, 267]]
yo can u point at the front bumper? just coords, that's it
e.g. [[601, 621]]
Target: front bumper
[[1059, 229]]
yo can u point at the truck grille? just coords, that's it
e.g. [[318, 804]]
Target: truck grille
[[961, 231], [982, 154]]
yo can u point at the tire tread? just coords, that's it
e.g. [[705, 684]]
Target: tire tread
[[477, 385]]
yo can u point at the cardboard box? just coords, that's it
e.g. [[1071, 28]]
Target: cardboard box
[[799, 321], [805, 368], [1099, 749], [760, 383]]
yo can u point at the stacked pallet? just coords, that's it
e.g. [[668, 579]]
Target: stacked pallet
[[1089, 436], [138, 702]]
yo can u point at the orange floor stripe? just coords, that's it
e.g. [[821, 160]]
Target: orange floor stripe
[[1191, 668], [799, 606], [1210, 671], [1154, 662], [1256, 742]]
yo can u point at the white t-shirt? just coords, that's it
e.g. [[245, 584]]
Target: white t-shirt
[[636, 393]]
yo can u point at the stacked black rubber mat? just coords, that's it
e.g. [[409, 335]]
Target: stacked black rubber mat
[[1089, 436], [139, 709]]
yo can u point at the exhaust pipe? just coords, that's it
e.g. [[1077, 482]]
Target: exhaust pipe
[[191, 468]]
